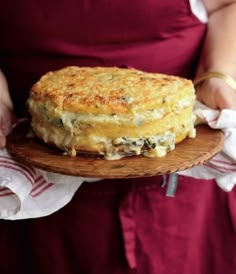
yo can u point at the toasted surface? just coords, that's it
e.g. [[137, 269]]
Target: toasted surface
[[108, 90]]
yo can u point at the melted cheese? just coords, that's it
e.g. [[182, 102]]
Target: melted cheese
[[112, 112]]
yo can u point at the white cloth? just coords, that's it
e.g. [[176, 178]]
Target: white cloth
[[199, 10], [222, 167], [27, 192]]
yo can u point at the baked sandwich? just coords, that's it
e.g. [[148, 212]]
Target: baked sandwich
[[113, 112]]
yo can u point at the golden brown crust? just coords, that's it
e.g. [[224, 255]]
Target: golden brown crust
[[107, 90]]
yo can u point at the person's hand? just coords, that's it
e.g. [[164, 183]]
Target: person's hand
[[7, 117], [6, 121], [216, 94]]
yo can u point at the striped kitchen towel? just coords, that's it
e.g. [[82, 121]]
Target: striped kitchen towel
[[221, 167], [27, 192]]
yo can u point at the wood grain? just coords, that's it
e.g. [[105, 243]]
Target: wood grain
[[189, 153]]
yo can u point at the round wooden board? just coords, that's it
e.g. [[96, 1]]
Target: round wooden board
[[189, 153]]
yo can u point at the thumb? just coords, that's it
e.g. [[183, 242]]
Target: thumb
[[6, 125], [2, 140], [6, 120], [216, 94]]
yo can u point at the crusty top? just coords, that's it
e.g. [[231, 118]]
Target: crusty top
[[107, 90]]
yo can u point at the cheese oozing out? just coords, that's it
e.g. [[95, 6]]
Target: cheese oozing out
[[112, 112], [60, 130]]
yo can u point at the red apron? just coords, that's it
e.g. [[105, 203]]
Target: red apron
[[114, 226], [159, 36]]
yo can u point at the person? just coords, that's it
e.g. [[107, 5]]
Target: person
[[121, 226]]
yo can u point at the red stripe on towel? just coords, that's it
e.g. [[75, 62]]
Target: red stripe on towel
[[20, 170], [220, 167], [9, 160], [7, 194], [47, 186]]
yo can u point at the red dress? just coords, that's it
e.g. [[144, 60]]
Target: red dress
[[114, 226]]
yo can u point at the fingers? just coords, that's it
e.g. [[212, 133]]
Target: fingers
[[6, 120], [2, 140], [5, 128], [206, 97], [6, 125], [216, 94], [225, 96]]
